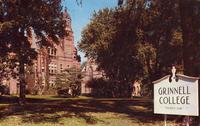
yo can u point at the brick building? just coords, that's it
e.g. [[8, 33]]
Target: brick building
[[90, 71], [50, 62]]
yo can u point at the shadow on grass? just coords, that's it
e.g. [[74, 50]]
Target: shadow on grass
[[44, 110], [8, 99]]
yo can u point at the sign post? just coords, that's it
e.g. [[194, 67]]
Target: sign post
[[165, 120], [176, 94], [188, 121]]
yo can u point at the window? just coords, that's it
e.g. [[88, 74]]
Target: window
[[54, 51], [49, 50], [61, 68]]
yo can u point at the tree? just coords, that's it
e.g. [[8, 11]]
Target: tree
[[139, 39], [190, 24], [112, 40], [181, 16], [70, 78], [20, 18]]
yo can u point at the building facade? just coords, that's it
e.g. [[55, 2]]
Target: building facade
[[90, 71], [50, 61]]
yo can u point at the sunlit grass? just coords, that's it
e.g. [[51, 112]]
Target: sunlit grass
[[94, 119], [81, 111]]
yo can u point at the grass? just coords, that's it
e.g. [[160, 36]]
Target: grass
[[82, 111]]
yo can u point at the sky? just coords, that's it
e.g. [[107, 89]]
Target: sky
[[81, 15]]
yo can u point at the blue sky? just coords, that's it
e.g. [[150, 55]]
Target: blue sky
[[81, 15]]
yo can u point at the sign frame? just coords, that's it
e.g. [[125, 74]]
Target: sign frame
[[176, 94]]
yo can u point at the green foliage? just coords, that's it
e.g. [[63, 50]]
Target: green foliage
[[70, 78], [109, 88], [4, 90], [102, 40], [62, 81], [18, 20], [143, 39], [190, 22], [114, 41]]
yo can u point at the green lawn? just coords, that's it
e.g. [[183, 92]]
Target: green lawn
[[83, 111]]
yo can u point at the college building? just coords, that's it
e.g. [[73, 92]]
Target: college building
[[50, 61], [90, 71]]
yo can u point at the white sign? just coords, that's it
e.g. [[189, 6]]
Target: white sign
[[176, 97]]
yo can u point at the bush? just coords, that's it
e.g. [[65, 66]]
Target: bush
[[63, 92], [4, 90], [107, 88]]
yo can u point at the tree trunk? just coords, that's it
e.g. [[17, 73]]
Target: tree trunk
[[22, 84], [189, 37]]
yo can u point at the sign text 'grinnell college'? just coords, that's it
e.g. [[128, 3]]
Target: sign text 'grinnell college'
[[176, 97]]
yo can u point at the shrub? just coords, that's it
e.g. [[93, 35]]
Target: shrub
[[63, 92], [108, 88], [4, 90]]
